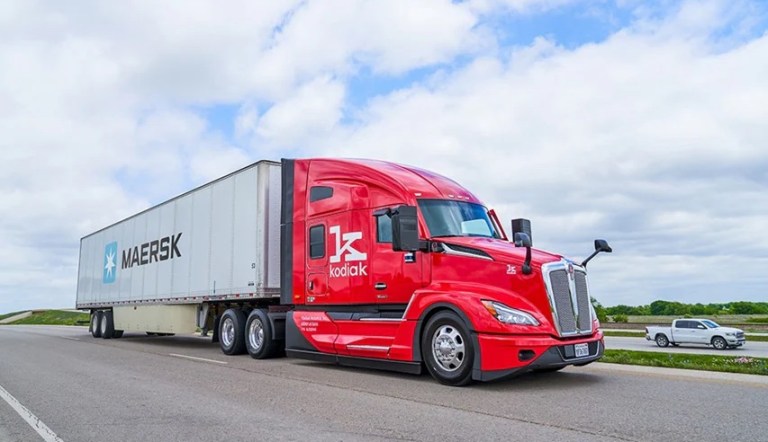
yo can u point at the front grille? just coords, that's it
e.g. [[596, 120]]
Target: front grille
[[739, 335], [569, 298], [582, 295]]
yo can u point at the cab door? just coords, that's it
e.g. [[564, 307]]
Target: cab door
[[394, 275], [681, 332], [317, 262]]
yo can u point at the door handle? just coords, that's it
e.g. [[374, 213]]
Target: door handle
[[380, 286]]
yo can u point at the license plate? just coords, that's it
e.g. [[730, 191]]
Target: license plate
[[581, 350]]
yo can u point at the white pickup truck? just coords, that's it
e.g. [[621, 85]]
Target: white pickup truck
[[696, 331]]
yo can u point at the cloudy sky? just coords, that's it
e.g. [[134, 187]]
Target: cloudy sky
[[644, 123]]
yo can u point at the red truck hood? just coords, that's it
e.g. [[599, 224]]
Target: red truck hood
[[503, 251]]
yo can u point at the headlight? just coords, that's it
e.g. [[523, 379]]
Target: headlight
[[509, 315], [730, 334]]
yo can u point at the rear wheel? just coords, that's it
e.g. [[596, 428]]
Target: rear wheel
[[447, 349], [259, 336], [719, 343], [107, 326], [232, 332], [662, 341], [96, 324]]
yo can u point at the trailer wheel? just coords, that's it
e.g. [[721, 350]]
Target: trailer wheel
[[447, 349], [96, 324], [661, 340], [232, 332], [259, 336], [719, 343], [107, 326]]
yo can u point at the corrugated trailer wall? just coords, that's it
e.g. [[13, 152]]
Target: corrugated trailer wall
[[219, 241]]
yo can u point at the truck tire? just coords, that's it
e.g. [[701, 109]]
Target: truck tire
[[107, 326], [96, 324], [661, 340], [232, 332], [719, 343], [447, 349], [259, 336]]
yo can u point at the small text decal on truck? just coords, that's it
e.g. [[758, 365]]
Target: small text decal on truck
[[349, 253], [153, 251]]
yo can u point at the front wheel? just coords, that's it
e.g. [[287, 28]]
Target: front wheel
[[719, 343], [447, 349], [662, 341]]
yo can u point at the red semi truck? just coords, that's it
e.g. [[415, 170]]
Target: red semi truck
[[354, 262]]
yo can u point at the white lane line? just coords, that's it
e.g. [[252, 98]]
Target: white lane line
[[69, 339], [196, 359], [32, 420]]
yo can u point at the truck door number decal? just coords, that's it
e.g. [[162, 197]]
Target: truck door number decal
[[350, 254]]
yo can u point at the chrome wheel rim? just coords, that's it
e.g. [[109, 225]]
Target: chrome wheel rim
[[256, 334], [228, 332], [719, 344], [103, 325], [448, 348]]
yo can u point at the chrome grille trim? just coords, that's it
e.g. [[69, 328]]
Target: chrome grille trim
[[568, 298]]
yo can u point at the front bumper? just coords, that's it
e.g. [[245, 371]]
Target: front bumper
[[731, 340], [508, 356]]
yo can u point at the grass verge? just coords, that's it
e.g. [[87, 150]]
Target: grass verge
[[55, 317], [728, 364], [641, 334], [625, 334]]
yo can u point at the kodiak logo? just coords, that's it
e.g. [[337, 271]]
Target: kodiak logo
[[153, 251], [349, 253]]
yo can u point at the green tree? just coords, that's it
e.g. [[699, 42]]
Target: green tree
[[602, 316]]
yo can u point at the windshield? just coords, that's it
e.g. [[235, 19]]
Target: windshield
[[710, 324], [457, 218]]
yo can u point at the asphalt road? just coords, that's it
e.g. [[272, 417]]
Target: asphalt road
[[752, 349], [134, 389]]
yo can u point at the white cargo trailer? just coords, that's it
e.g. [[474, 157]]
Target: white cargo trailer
[[218, 242]]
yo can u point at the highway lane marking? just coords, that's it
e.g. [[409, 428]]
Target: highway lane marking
[[69, 339], [29, 417], [196, 359]]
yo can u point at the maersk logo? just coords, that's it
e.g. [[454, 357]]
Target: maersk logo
[[110, 263], [152, 251]]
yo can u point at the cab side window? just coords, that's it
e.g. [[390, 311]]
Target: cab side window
[[317, 242], [384, 228]]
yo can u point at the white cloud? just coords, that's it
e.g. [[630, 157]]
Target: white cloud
[[652, 138]]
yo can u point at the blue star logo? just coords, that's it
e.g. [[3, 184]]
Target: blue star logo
[[110, 263]]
